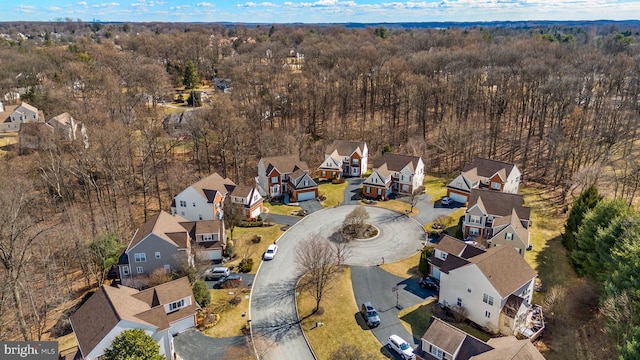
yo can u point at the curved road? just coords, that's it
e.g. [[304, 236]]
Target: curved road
[[274, 320]]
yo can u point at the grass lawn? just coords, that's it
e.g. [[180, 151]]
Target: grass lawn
[[7, 140], [416, 318], [334, 193], [231, 320], [245, 247], [452, 224], [342, 323], [435, 186], [280, 208], [405, 267]]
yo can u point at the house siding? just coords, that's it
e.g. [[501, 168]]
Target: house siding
[[123, 325], [169, 255], [518, 243], [202, 209], [456, 284]]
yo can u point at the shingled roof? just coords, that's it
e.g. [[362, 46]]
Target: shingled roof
[[111, 304], [451, 339], [285, 164], [499, 203], [346, 147], [485, 168], [509, 347], [165, 226], [504, 268], [212, 184], [397, 162]]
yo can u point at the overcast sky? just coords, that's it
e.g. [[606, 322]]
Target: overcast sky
[[319, 11]]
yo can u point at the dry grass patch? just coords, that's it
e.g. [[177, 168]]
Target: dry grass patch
[[416, 318], [341, 321], [435, 186], [280, 208], [245, 246], [405, 267], [231, 321], [452, 224], [67, 343], [7, 141], [333, 193]]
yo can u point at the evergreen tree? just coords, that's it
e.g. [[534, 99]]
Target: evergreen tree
[[191, 78], [201, 293], [585, 202], [631, 348], [423, 266], [133, 344]]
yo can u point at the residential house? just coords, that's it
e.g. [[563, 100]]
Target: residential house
[[286, 177], [344, 158], [208, 237], [394, 173], [204, 199], [161, 243], [499, 218], [492, 288], [484, 173], [45, 136], [12, 116], [248, 201], [162, 312], [181, 125], [444, 341]]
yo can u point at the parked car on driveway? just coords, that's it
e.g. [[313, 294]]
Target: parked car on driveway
[[446, 201], [231, 281], [271, 252], [430, 283], [216, 273], [370, 314], [401, 347]]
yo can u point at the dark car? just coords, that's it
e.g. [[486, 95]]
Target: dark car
[[231, 281], [370, 314], [430, 283]]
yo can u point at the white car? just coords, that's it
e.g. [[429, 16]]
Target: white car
[[271, 252], [401, 347]]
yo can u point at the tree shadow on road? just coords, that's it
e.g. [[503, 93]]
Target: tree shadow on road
[[282, 293], [279, 327]]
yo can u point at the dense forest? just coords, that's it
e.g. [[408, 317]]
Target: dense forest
[[562, 102]]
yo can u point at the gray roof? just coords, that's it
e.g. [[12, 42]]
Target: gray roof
[[499, 203]]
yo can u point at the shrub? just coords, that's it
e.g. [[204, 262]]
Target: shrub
[[229, 250], [235, 301], [201, 293], [245, 265], [338, 181], [250, 224], [256, 239]]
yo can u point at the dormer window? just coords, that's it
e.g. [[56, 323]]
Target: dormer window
[[176, 305], [443, 255]]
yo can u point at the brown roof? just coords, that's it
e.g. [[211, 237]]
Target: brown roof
[[486, 168], [510, 348], [450, 245], [63, 120], [450, 339], [8, 110], [164, 225], [285, 164], [397, 162], [212, 184], [499, 203], [452, 262], [345, 147], [102, 312], [504, 268], [242, 190], [515, 223], [208, 227]]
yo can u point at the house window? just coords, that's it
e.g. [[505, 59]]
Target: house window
[[183, 203], [139, 269], [274, 179], [443, 255], [475, 219], [140, 257], [368, 189], [157, 254], [487, 314], [474, 231], [182, 213], [125, 270], [435, 351], [324, 173], [199, 217], [508, 236], [207, 237], [379, 191], [469, 290], [495, 185], [176, 305], [459, 302], [355, 162], [487, 299], [306, 183]]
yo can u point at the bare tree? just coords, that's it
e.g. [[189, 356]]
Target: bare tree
[[342, 246], [355, 222], [415, 196], [318, 265]]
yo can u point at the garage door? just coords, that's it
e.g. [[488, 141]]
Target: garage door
[[458, 197], [307, 196], [182, 325], [255, 213], [213, 254]]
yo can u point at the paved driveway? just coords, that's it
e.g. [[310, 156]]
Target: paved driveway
[[274, 317], [311, 205], [194, 345], [354, 184], [371, 283], [283, 219], [429, 211]]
